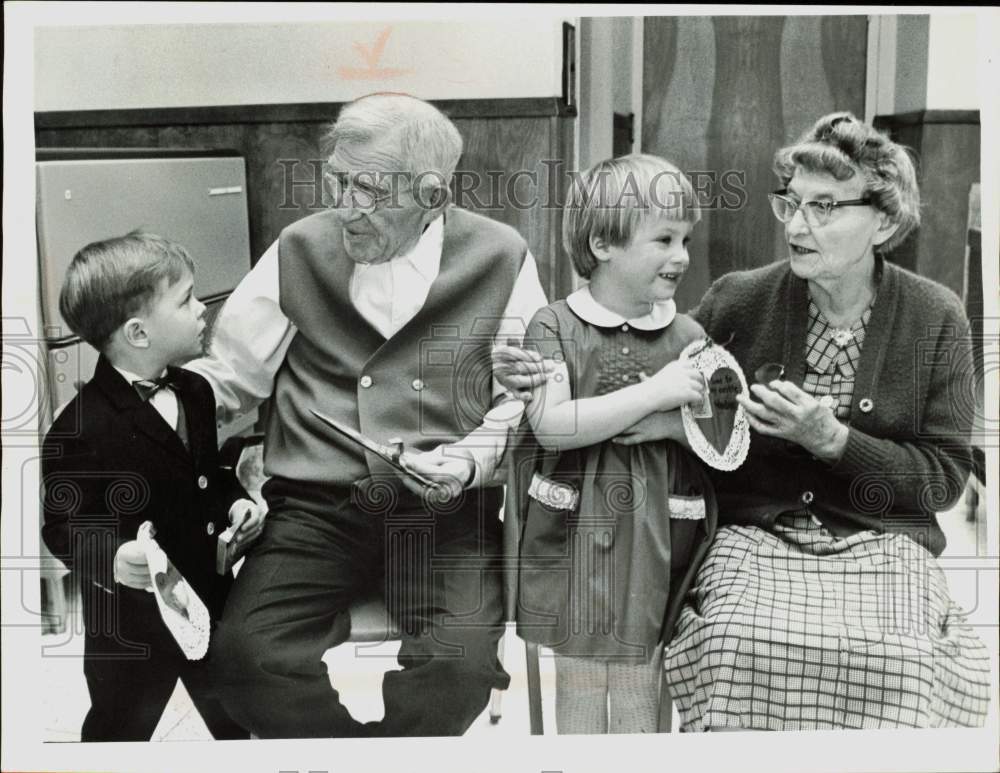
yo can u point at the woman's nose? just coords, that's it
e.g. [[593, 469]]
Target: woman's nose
[[798, 224]]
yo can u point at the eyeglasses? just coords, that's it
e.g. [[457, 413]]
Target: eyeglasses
[[816, 213], [362, 192]]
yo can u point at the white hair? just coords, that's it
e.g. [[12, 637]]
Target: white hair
[[426, 141]]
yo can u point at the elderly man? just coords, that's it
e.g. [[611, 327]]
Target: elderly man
[[380, 313]]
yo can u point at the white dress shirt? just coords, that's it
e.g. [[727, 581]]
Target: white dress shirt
[[163, 400], [251, 334], [389, 294]]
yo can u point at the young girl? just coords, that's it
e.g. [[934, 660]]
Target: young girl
[[612, 533]]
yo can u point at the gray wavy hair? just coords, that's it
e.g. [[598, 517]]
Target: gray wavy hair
[[841, 146]]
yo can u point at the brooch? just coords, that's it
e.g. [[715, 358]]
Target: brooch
[[842, 337]]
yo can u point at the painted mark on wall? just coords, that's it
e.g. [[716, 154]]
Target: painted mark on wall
[[371, 56]]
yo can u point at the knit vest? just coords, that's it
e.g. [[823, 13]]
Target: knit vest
[[428, 384]]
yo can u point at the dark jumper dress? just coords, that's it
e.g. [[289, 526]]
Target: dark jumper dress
[[606, 579]]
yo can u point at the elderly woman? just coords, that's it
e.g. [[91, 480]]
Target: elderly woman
[[820, 603]]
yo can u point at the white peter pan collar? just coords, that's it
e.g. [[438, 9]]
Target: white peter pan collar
[[585, 306]]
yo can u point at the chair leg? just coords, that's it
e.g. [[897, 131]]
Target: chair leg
[[54, 611], [497, 696], [534, 688], [666, 704]]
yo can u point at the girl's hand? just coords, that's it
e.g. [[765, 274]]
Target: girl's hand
[[659, 425], [677, 383], [785, 411]]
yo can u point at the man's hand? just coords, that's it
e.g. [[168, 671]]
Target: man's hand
[[451, 470], [252, 516], [785, 411], [519, 371], [660, 425], [131, 569]]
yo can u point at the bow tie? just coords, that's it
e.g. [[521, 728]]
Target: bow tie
[[149, 387]]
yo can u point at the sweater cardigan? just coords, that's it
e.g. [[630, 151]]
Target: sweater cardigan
[[907, 454]]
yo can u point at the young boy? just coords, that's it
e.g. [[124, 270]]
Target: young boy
[[138, 443]]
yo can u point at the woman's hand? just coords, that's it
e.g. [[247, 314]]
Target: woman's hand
[[785, 411], [520, 370], [677, 383], [659, 425]]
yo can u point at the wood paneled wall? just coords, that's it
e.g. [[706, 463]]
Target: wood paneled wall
[[721, 95], [513, 149], [947, 147]]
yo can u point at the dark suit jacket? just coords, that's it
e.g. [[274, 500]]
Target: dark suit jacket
[[109, 463]]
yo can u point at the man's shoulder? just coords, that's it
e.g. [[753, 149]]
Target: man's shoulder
[[458, 219], [316, 223]]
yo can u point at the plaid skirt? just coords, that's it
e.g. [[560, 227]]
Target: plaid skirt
[[796, 629]]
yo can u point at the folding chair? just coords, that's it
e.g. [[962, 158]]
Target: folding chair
[[512, 540]]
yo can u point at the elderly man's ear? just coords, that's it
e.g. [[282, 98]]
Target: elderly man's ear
[[434, 196]]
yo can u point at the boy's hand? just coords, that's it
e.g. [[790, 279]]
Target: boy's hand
[[677, 383], [131, 569], [252, 517]]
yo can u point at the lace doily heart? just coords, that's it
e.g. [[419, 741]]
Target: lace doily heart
[[183, 612], [717, 429], [717, 426]]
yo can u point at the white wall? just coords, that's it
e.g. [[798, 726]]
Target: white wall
[[925, 62], [186, 65], [610, 81], [953, 63]]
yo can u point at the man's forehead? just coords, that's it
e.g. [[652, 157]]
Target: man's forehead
[[369, 157]]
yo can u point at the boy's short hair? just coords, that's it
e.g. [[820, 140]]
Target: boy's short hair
[[109, 281], [609, 199]]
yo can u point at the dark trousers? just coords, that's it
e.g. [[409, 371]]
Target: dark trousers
[[439, 573], [128, 707], [132, 665]]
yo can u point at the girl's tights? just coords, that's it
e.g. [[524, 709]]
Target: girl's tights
[[597, 696]]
